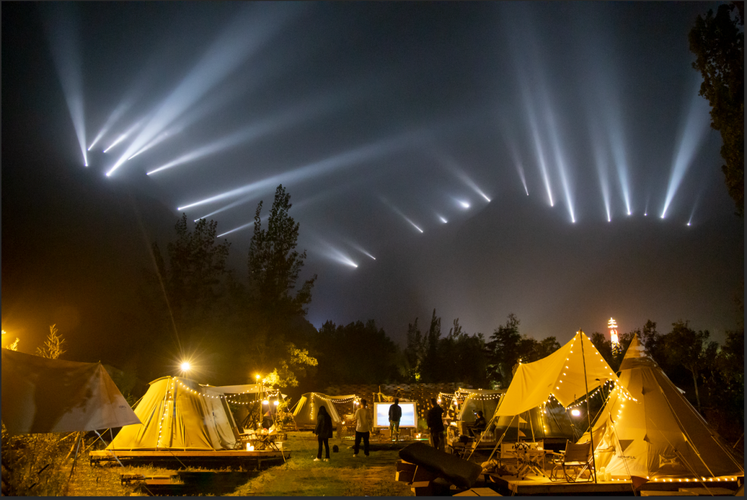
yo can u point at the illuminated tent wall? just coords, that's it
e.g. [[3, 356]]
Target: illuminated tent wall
[[654, 431], [565, 375], [547, 421], [307, 408], [180, 414], [53, 395]]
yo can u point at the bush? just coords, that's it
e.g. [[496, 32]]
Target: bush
[[34, 464]]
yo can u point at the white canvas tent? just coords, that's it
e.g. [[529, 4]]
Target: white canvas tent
[[53, 395], [180, 414], [653, 431], [306, 409], [566, 375]]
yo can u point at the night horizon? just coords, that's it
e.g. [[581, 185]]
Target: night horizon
[[475, 159]]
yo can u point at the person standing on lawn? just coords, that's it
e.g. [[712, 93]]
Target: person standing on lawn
[[323, 432], [363, 425], [436, 425], [395, 413]]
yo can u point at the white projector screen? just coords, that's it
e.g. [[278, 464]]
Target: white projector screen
[[381, 412]]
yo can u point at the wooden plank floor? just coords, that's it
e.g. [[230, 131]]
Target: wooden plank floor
[[537, 485]]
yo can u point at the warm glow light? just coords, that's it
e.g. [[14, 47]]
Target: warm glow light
[[185, 366], [575, 412]]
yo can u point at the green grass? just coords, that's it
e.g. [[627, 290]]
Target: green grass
[[343, 475]]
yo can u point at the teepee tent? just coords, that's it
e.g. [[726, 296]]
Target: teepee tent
[[180, 414], [305, 411], [53, 395], [652, 431]]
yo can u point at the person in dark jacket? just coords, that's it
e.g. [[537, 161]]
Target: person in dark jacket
[[436, 425], [395, 414], [323, 432], [479, 426]]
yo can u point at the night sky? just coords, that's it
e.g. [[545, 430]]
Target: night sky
[[551, 137]]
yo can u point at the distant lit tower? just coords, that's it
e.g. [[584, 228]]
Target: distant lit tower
[[612, 325]]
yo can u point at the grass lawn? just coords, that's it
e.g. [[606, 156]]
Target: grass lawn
[[343, 475]]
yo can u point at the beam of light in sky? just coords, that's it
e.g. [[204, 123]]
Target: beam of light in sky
[[540, 151], [560, 161], [325, 166], [691, 136], [160, 138], [621, 162], [296, 114], [602, 170], [361, 249], [463, 204], [62, 29], [442, 219], [451, 164], [126, 134], [399, 212], [517, 162], [243, 38], [520, 169], [338, 256], [113, 117], [243, 226]]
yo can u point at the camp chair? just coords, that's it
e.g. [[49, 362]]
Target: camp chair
[[575, 461]]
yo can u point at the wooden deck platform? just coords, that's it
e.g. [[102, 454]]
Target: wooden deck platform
[[243, 459], [537, 485]]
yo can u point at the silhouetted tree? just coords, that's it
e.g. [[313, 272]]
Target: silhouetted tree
[[504, 351], [718, 43], [274, 262], [414, 352], [690, 349], [432, 367]]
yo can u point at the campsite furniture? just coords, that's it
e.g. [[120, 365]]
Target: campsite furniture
[[531, 457], [457, 471], [647, 428], [574, 462]]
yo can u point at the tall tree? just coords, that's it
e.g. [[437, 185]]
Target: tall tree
[[718, 43], [414, 352], [432, 369], [504, 348], [690, 349], [275, 264]]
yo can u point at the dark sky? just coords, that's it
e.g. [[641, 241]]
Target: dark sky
[[382, 120]]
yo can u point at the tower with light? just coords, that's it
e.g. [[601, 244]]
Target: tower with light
[[612, 325]]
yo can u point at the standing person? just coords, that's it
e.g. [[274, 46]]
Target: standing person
[[436, 425], [323, 432], [395, 413], [362, 427]]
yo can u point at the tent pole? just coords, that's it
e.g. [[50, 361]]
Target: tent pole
[[501, 439], [588, 410]]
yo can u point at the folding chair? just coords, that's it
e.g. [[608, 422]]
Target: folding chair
[[574, 462]]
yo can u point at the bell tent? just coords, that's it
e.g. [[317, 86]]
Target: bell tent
[[180, 414], [306, 409], [652, 431]]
